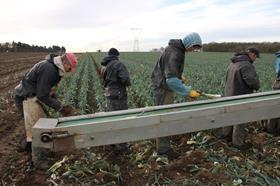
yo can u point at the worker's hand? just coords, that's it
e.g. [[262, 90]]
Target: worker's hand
[[184, 80], [69, 110], [194, 94], [53, 94]]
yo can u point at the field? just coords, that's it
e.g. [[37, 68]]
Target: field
[[204, 160]]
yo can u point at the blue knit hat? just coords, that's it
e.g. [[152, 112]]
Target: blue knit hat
[[277, 54], [191, 40]]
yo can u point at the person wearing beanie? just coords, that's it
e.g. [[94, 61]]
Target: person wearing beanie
[[116, 80], [36, 89], [273, 126], [167, 78], [241, 78], [113, 52]]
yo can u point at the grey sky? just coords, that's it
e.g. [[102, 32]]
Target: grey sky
[[84, 25]]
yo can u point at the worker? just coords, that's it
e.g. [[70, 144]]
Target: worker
[[241, 79], [167, 78], [116, 80], [273, 126], [35, 89]]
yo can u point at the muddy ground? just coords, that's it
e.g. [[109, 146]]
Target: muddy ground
[[203, 160]]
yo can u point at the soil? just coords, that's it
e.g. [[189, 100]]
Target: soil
[[16, 167]]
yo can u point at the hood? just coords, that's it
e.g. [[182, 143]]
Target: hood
[[177, 43], [50, 57], [58, 63], [107, 59], [242, 56]]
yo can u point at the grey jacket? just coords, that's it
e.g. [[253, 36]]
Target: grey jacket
[[38, 82], [241, 76], [170, 64]]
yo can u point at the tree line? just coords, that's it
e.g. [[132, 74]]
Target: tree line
[[23, 47], [264, 47]]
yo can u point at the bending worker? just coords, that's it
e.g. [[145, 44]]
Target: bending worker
[[35, 90], [167, 78]]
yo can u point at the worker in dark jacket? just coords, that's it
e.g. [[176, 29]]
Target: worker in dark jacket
[[241, 79], [116, 79], [35, 89], [167, 77]]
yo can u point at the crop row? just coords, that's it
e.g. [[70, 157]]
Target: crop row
[[204, 71]]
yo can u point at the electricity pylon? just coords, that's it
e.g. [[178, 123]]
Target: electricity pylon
[[136, 34]]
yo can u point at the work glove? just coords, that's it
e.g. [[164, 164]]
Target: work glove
[[53, 94], [68, 110], [194, 94], [184, 80]]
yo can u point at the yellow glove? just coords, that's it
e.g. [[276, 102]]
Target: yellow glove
[[194, 94], [184, 80]]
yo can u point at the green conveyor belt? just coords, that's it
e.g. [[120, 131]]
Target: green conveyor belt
[[222, 102]]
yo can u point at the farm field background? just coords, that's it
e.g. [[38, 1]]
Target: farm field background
[[204, 71], [204, 160]]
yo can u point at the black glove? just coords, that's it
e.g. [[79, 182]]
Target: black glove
[[68, 110]]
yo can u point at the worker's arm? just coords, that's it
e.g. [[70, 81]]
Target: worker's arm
[[174, 63], [44, 83], [123, 74], [250, 77], [176, 85]]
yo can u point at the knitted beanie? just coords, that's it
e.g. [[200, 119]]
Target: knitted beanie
[[191, 40], [113, 52]]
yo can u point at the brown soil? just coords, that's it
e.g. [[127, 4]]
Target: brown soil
[[16, 167]]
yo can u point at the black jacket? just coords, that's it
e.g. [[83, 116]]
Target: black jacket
[[170, 64], [38, 82], [241, 76], [116, 77]]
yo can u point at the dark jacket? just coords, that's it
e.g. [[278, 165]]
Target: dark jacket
[[116, 78], [241, 76], [38, 82], [170, 64]]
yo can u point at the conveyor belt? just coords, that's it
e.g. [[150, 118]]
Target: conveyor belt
[[64, 134], [222, 102]]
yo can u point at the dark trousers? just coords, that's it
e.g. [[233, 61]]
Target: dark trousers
[[116, 104], [273, 126], [19, 104], [237, 133], [163, 97]]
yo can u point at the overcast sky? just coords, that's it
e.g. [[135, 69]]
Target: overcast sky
[[88, 25]]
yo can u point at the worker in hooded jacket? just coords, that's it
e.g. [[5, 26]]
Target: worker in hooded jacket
[[35, 90], [241, 79], [167, 77], [116, 80]]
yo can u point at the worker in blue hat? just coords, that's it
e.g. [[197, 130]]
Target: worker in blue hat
[[273, 126], [167, 77]]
